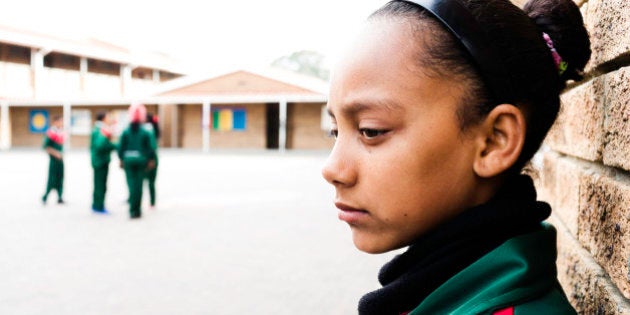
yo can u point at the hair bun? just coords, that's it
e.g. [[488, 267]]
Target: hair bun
[[562, 20]]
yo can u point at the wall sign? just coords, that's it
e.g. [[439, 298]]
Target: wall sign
[[229, 119], [38, 121], [80, 122]]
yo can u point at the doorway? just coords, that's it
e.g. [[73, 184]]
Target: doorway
[[273, 124]]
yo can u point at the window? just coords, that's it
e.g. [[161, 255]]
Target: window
[[15, 54], [229, 119], [62, 61], [103, 67]]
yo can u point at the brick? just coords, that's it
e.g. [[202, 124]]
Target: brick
[[585, 283], [578, 131], [604, 224], [617, 138], [521, 3], [580, 3], [559, 186], [583, 9], [607, 22], [545, 178], [304, 129]]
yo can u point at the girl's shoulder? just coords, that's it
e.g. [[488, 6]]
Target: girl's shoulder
[[520, 273], [554, 302]]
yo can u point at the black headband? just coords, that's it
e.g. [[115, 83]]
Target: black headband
[[461, 23]]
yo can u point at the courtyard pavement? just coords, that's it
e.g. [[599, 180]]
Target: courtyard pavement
[[235, 232]]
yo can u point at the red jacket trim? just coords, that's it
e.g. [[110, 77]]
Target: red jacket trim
[[505, 311]]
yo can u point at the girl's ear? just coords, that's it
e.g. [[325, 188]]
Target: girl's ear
[[500, 140]]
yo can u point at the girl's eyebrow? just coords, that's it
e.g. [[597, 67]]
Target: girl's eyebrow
[[355, 108]]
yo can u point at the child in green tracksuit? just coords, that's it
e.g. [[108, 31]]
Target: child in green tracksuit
[[137, 155], [53, 144], [152, 126], [101, 147]]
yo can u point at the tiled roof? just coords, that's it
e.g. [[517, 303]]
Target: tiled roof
[[245, 82]]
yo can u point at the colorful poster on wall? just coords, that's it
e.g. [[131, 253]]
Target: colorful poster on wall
[[229, 119], [38, 121], [80, 122]]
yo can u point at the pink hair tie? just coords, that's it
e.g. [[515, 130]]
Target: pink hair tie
[[561, 65]]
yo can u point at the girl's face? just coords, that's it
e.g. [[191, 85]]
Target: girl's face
[[107, 120], [58, 123], [401, 164]]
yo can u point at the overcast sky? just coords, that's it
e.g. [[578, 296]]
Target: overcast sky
[[213, 34]]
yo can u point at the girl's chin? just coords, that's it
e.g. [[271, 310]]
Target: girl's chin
[[370, 244]]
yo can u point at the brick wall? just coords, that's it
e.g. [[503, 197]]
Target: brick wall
[[304, 127], [253, 137], [20, 133], [585, 174]]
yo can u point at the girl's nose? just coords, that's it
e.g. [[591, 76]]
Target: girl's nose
[[339, 169]]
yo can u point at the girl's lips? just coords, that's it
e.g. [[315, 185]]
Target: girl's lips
[[349, 214]]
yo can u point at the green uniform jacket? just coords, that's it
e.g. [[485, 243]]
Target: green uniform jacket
[[154, 142], [55, 168], [521, 273], [50, 143], [100, 147], [136, 147]]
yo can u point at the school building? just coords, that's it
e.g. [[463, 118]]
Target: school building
[[267, 109], [42, 76]]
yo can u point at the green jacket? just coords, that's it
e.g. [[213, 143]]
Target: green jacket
[[50, 143], [154, 142], [136, 147], [100, 147], [521, 273]]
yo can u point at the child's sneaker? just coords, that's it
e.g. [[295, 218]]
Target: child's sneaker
[[100, 211]]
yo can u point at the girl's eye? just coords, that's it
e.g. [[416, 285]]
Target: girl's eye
[[333, 133], [371, 133]]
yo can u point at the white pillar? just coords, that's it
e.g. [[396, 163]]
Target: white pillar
[[125, 79], [83, 70], [282, 133], [37, 65], [175, 126], [160, 113], [5, 137], [83, 67], [67, 119], [205, 125], [156, 76]]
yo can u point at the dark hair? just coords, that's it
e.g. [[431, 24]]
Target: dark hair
[[56, 118], [134, 126], [517, 36], [100, 116], [156, 127]]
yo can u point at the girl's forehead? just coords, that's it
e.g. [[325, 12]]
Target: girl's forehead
[[383, 44], [382, 67]]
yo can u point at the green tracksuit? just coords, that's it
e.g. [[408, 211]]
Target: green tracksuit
[[135, 150], [55, 170], [151, 174], [100, 152], [519, 275]]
